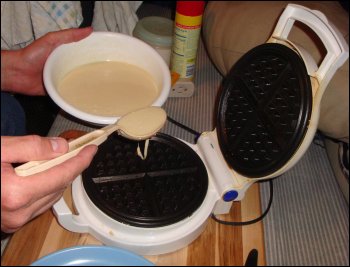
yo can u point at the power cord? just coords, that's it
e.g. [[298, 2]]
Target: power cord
[[197, 134], [251, 221]]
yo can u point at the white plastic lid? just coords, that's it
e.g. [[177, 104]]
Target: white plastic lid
[[157, 31]]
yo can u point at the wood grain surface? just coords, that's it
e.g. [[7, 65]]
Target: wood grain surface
[[217, 245]]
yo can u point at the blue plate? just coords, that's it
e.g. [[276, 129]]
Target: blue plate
[[92, 256]]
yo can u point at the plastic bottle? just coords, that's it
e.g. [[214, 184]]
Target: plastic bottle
[[188, 22], [157, 32]]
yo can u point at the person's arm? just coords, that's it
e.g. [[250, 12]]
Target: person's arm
[[22, 70], [9, 68], [23, 198]]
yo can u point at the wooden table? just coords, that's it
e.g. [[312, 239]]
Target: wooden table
[[217, 245]]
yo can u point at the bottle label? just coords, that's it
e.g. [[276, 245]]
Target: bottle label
[[186, 37]]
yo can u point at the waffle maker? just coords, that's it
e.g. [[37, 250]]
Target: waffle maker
[[267, 116]]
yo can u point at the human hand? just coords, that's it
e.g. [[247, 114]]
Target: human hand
[[24, 198], [22, 70]]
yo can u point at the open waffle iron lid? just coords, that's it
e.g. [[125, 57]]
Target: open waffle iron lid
[[263, 110], [268, 111]]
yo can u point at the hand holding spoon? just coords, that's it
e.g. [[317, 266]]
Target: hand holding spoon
[[137, 125]]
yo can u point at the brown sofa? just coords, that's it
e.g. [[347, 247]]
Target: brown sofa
[[231, 28]]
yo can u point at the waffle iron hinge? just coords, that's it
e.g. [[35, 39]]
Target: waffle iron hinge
[[229, 185]]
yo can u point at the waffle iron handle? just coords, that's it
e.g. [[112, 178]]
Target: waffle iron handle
[[337, 48]]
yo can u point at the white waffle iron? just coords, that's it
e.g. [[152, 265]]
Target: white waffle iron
[[232, 165]]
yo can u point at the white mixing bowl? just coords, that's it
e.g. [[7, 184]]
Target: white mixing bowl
[[104, 46]]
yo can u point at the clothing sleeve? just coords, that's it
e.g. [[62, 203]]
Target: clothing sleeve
[[115, 16], [24, 21]]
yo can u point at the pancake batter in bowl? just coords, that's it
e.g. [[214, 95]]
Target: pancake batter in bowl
[[108, 88]]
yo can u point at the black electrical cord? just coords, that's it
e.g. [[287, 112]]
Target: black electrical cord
[[197, 134], [251, 221]]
